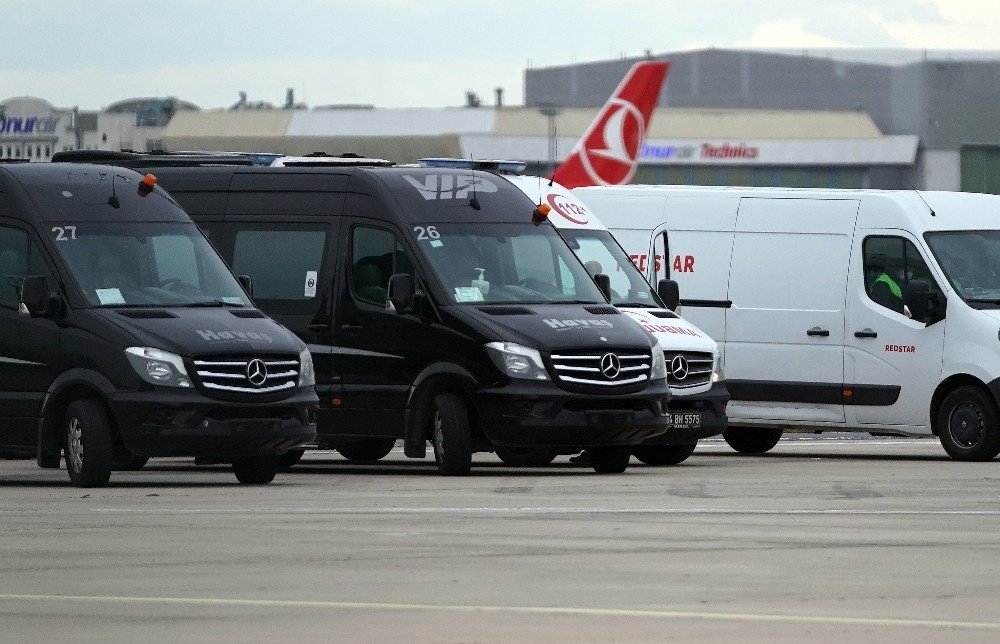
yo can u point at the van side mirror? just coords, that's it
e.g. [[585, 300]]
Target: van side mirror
[[35, 296], [402, 291], [604, 285], [669, 293], [247, 283], [918, 298]]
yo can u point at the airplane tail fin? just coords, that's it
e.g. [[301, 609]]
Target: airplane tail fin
[[608, 152]]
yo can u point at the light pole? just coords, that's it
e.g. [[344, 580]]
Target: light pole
[[551, 111]]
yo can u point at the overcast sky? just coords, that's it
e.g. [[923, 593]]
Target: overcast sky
[[395, 53]]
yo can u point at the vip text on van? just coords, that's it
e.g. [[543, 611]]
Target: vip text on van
[[124, 336], [495, 337], [874, 311]]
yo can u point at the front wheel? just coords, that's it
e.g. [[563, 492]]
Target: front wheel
[[452, 435], [752, 440], [526, 456], [88, 444], [967, 425], [663, 454], [256, 470], [610, 460], [367, 450]]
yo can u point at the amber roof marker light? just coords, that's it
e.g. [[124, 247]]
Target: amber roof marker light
[[147, 184]]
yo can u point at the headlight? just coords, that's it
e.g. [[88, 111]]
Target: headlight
[[659, 369], [307, 375], [158, 367], [717, 369], [517, 361]]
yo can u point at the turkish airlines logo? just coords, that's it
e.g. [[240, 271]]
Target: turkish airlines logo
[[611, 149], [570, 210]]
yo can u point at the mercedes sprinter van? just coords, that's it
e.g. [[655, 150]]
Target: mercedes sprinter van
[[124, 336], [858, 310], [435, 309], [699, 394]]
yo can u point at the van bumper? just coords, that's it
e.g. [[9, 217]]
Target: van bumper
[[710, 405], [185, 423], [542, 414]]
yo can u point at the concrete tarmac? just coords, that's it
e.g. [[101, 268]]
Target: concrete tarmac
[[831, 540]]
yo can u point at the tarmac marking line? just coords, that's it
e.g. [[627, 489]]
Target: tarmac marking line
[[524, 610], [546, 511]]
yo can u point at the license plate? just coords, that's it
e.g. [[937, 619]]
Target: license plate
[[681, 420]]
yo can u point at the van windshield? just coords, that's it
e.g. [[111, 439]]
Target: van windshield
[[505, 263], [600, 253], [146, 265], [971, 262]]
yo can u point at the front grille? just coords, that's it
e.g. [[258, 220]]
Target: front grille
[[243, 375], [604, 369], [687, 369]]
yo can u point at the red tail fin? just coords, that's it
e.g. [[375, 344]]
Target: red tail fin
[[608, 151]]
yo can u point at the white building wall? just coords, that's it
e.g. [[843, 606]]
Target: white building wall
[[939, 169]]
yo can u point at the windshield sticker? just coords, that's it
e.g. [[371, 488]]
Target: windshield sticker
[[468, 294], [235, 301], [436, 243], [109, 296], [311, 278]]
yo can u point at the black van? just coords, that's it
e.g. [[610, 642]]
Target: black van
[[123, 335], [435, 309]]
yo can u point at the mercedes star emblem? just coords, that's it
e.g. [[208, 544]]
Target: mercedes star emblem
[[679, 367], [257, 372], [611, 366]]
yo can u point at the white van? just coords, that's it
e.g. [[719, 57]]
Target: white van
[[698, 406], [862, 310]]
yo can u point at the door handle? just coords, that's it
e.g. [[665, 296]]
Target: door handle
[[317, 327], [865, 333], [816, 331], [351, 328]]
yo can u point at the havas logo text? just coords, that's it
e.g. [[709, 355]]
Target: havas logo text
[[578, 324], [450, 186], [229, 336]]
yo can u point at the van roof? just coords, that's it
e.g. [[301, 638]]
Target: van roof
[[82, 192]]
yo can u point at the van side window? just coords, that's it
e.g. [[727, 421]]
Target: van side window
[[890, 264], [19, 257], [376, 255], [281, 262]]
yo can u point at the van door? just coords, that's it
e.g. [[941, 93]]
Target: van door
[[379, 353], [785, 330], [893, 363], [29, 347], [700, 232]]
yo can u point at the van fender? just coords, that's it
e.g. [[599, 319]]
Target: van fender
[[69, 384], [436, 378], [961, 375]]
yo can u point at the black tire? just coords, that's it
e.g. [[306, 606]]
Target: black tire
[[367, 450], [526, 456], [88, 443], [610, 460], [967, 425], [451, 435], [663, 454], [752, 440], [256, 470], [290, 458]]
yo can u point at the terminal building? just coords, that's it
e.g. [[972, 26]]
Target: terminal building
[[846, 118]]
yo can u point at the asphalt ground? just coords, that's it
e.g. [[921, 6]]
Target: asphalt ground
[[829, 540]]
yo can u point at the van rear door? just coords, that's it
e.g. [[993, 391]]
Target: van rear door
[[784, 349]]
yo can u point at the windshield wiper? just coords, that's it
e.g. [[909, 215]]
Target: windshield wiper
[[210, 303], [637, 305], [983, 300]]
